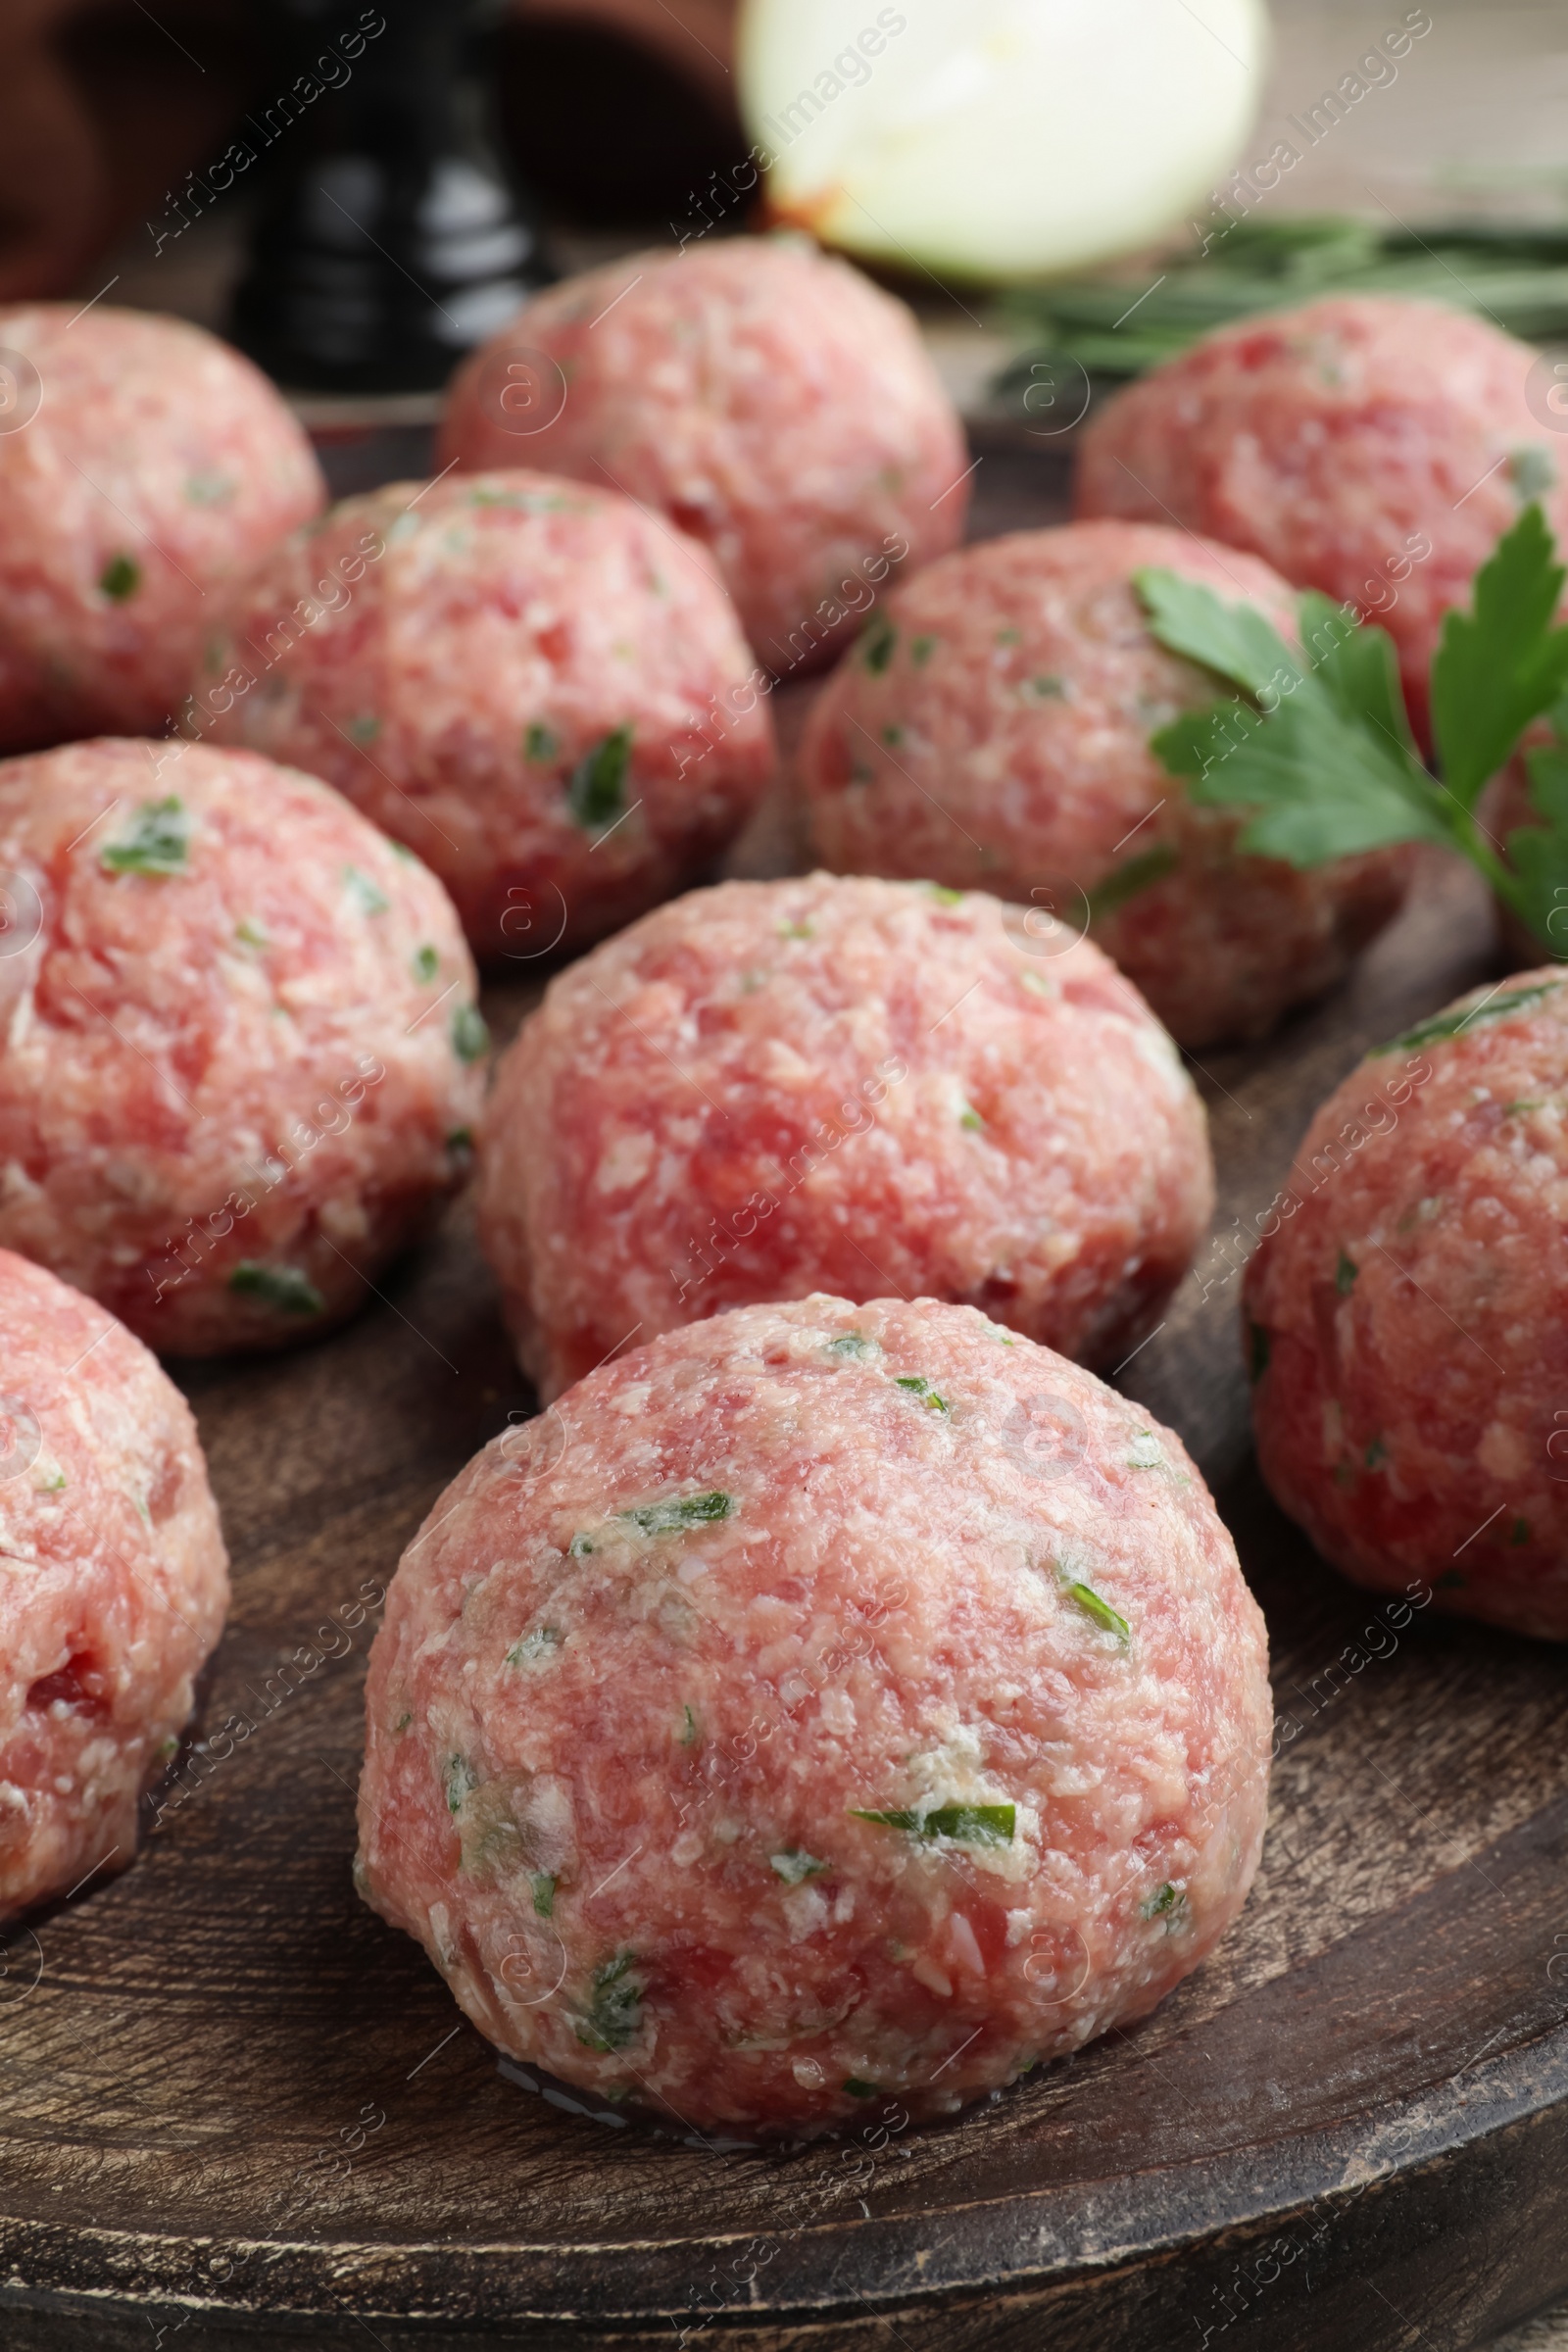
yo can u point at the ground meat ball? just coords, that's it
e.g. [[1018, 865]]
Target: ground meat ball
[[241, 1056], [113, 1582], [541, 689], [1409, 1314], [157, 467], [774, 1087], [940, 1734], [993, 726], [1371, 446], [771, 401]]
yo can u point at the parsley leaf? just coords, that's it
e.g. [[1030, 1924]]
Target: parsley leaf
[[1125, 881], [470, 1035], [597, 792], [1322, 757], [1237, 641], [793, 1864], [1101, 1612], [157, 843], [1501, 664], [666, 1518], [1491, 1006], [966, 1825], [1539, 854], [119, 579], [615, 2006], [1324, 782], [285, 1288]]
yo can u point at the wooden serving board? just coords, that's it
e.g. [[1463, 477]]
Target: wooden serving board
[[235, 2109]]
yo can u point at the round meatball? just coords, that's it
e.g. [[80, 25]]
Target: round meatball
[[540, 688], [144, 467], [772, 401], [241, 1052], [940, 1731], [1370, 447], [772, 1088], [994, 727], [113, 1584], [1409, 1314]]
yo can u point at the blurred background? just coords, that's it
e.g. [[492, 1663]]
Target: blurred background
[[359, 193]]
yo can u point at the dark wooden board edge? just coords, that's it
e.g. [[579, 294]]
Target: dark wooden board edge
[[1174, 2228]]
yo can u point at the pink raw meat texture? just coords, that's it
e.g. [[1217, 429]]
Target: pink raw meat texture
[[538, 687], [156, 469], [769, 400], [821, 1701], [241, 1052], [113, 1582], [1369, 446], [772, 1088], [1409, 1314], [993, 730]]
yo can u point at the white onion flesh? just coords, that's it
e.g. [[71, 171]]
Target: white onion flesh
[[1000, 139]]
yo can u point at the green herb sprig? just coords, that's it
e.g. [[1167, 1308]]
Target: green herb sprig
[[966, 1825], [1117, 327], [1317, 746]]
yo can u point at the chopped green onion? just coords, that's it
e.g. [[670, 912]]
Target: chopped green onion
[[1104, 1615], [285, 1288]]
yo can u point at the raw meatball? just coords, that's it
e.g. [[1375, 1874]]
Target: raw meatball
[[113, 1584], [1409, 1314], [772, 401], [541, 689], [940, 1731], [994, 727], [1371, 446], [241, 1050], [156, 467], [774, 1087]]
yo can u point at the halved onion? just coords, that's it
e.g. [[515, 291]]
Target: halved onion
[[998, 138]]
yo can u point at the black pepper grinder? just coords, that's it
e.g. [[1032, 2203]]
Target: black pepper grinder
[[391, 237]]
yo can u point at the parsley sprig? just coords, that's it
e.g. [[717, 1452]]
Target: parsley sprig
[[1317, 745]]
